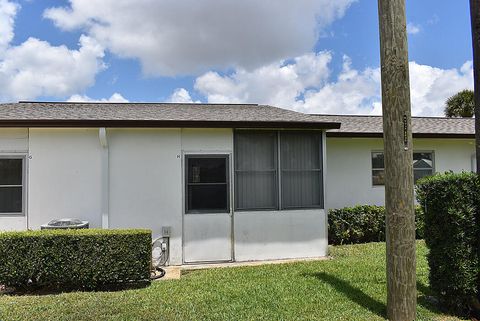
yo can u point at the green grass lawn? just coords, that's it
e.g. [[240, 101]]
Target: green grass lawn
[[350, 287]]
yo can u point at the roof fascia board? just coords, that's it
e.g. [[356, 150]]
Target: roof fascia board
[[415, 135], [164, 124]]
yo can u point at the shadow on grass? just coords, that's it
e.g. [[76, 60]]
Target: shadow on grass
[[352, 293], [49, 290], [426, 299], [356, 295]]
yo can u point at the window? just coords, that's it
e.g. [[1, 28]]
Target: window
[[301, 177], [423, 165], [11, 185], [378, 170], [256, 170], [207, 184], [278, 170]]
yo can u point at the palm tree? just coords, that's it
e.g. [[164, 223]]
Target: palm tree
[[461, 104]]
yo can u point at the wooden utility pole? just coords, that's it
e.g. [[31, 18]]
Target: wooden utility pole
[[397, 135], [475, 18]]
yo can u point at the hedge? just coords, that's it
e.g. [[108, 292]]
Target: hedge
[[450, 202], [86, 258], [363, 224]]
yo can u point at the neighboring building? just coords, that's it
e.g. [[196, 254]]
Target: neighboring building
[[233, 182], [355, 172]]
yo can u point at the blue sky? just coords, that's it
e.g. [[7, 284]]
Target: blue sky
[[312, 56]]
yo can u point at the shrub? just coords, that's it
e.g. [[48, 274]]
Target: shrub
[[450, 202], [359, 224], [74, 258], [419, 223], [362, 224]]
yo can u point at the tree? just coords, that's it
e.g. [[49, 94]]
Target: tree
[[397, 134], [461, 104]]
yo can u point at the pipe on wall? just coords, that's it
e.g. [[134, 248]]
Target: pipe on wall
[[102, 135]]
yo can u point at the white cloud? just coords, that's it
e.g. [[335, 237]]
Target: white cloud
[[413, 29], [191, 36], [115, 98], [277, 84], [181, 95], [359, 93], [8, 10], [305, 85], [430, 86], [353, 92], [35, 68]]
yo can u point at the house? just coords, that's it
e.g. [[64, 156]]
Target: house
[[234, 182], [355, 172]]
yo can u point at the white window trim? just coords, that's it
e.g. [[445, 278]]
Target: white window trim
[[23, 157]]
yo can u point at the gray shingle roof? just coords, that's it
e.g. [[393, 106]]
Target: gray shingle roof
[[355, 125], [58, 114], [46, 114]]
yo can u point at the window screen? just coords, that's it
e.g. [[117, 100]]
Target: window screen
[[423, 165], [301, 174], [256, 170], [11, 185], [207, 184], [278, 170]]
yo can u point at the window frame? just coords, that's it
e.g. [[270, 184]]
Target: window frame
[[227, 183], [278, 182], [414, 152], [22, 157]]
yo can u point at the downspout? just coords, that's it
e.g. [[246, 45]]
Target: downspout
[[102, 135]]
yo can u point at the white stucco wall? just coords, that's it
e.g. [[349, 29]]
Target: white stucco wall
[[13, 141], [64, 176], [145, 182], [266, 235], [207, 140], [349, 166], [146, 190]]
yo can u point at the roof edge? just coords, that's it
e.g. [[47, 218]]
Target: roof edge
[[124, 103], [415, 135], [61, 123], [380, 116]]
